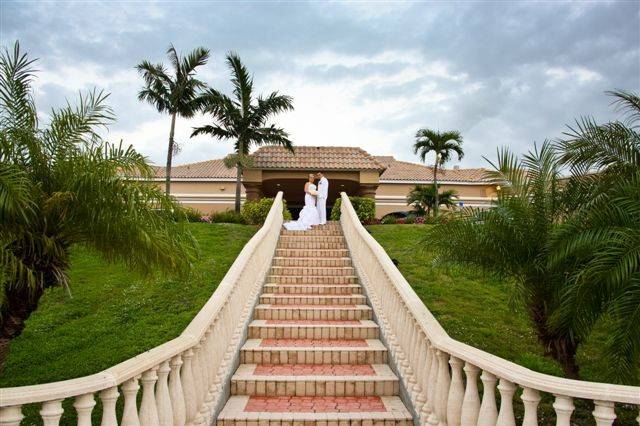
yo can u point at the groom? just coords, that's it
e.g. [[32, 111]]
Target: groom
[[321, 200]]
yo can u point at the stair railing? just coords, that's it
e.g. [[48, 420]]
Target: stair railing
[[440, 374], [183, 380]]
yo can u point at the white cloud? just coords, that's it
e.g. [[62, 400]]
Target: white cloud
[[580, 74]]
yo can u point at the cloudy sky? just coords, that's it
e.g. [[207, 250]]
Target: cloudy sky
[[361, 74]]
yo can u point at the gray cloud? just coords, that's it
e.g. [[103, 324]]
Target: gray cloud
[[363, 74]]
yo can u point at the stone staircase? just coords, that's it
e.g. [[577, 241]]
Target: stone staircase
[[313, 353]]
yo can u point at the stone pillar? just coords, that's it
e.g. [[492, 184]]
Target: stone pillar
[[253, 190], [367, 190]]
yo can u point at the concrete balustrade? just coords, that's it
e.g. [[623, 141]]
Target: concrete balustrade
[[440, 375], [181, 381]]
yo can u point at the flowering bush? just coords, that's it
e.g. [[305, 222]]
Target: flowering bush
[[419, 220], [206, 219]]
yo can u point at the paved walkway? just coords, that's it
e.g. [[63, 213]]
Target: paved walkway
[[313, 353]]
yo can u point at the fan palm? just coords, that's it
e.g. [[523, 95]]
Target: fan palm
[[423, 198], [601, 241], [177, 94], [443, 145], [243, 120], [62, 185], [511, 240]]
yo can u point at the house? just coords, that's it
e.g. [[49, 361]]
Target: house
[[209, 186]]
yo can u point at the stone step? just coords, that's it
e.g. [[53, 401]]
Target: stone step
[[312, 245], [312, 238], [316, 231], [309, 329], [314, 380], [312, 299], [312, 289], [335, 271], [314, 411], [312, 261], [312, 312], [311, 279], [312, 253], [313, 351]]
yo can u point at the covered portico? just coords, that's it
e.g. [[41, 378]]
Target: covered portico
[[350, 170]]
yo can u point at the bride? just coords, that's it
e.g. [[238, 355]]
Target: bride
[[309, 214]]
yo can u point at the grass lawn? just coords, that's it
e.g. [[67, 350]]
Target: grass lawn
[[113, 314], [475, 308]]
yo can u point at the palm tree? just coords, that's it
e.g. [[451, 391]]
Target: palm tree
[[443, 144], [423, 197], [601, 241], [243, 120], [62, 185], [512, 240], [177, 94]]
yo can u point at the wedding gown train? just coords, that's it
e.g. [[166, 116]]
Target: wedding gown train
[[308, 215]]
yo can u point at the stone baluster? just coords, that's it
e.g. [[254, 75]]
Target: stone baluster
[[488, 411], [432, 379], [471, 400], [163, 400], [148, 410], [604, 413], [432, 395], [506, 417], [130, 411], [109, 397], [84, 405], [196, 369], [51, 412], [530, 398], [188, 387], [425, 411], [176, 393], [444, 382], [11, 415], [423, 373], [456, 393], [563, 406], [211, 349], [412, 385]]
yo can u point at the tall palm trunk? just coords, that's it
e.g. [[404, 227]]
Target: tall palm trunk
[[239, 175], [435, 184], [167, 182], [561, 348], [238, 186]]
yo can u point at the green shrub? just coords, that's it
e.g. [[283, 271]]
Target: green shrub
[[411, 219], [365, 208], [192, 215], [389, 220], [228, 216], [255, 212]]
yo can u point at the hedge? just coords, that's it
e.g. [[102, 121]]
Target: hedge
[[365, 208], [255, 212]]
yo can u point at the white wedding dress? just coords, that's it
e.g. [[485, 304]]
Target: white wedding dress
[[308, 215]]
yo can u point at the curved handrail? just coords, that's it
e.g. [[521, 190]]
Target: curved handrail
[[140, 363], [486, 361]]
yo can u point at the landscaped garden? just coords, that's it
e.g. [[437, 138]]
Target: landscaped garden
[[477, 309], [111, 314]]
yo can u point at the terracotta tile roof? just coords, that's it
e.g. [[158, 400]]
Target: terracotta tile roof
[[315, 158], [210, 169], [405, 171]]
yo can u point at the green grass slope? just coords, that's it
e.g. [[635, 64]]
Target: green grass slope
[[113, 314], [475, 308]]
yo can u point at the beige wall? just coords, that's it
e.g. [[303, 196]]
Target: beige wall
[[210, 197], [391, 197]]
